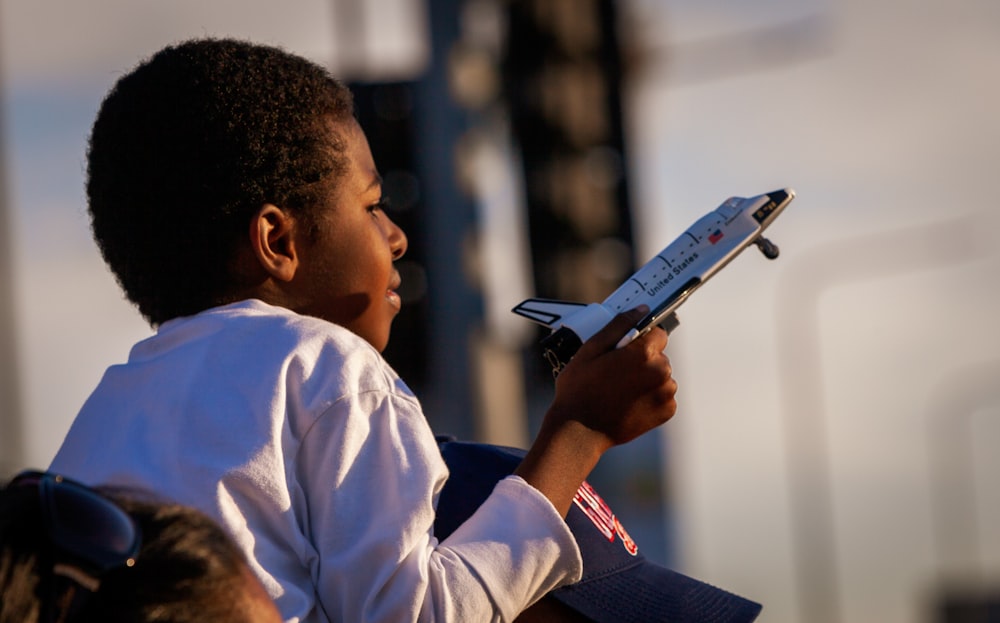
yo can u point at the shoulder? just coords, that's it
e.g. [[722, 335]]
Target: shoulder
[[311, 350]]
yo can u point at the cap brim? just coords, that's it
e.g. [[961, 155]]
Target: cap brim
[[649, 593], [639, 590]]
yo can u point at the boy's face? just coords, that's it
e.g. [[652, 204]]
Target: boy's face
[[347, 268]]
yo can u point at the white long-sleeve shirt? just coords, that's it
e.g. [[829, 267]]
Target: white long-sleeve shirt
[[300, 439]]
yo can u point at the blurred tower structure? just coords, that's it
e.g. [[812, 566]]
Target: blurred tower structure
[[562, 77]]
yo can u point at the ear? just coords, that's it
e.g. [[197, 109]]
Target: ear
[[273, 242]]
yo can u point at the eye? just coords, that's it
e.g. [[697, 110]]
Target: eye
[[381, 205]]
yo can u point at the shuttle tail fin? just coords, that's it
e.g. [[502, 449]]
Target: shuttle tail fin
[[546, 312]]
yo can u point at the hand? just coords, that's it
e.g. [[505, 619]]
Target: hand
[[620, 393]]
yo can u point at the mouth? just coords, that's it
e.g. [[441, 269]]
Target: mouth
[[391, 293]]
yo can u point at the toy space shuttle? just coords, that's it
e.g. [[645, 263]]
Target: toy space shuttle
[[667, 280]]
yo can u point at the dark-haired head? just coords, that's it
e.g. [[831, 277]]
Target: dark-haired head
[[187, 569], [188, 146]]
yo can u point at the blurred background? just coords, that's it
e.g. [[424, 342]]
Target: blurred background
[[833, 455]]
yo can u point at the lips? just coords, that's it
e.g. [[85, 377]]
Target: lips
[[390, 294]]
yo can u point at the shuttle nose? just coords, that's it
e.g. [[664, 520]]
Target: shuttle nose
[[780, 196]]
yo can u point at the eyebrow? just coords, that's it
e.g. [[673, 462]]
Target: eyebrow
[[376, 181]]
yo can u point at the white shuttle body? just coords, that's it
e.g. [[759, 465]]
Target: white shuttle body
[[667, 280]]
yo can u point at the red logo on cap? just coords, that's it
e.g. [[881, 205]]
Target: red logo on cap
[[630, 545], [600, 514]]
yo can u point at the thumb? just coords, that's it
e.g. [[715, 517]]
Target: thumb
[[606, 339]]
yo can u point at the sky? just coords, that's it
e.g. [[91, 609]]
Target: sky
[[885, 292], [838, 406]]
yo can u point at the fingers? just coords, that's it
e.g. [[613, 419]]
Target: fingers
[[606, 339], [654, 340], [650, 367], [649, 362]]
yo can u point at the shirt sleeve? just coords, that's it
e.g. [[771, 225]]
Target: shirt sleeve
[[370, 471]]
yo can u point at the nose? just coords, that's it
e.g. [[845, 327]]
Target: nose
[[397, 240]]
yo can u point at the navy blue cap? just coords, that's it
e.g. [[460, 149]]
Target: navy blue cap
[[619, 585]]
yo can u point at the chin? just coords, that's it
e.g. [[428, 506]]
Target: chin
[[379, 340]]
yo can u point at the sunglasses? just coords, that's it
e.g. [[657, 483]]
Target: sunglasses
[[90, 536]]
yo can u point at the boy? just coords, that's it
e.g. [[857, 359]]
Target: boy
[[235, 198]]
